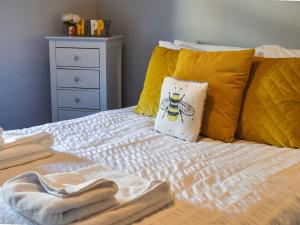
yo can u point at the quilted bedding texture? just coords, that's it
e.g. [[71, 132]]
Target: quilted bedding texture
[[214, 182]]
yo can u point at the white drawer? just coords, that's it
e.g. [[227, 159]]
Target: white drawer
[[78, 78], [78, 57], [72, 114], [78, 99]]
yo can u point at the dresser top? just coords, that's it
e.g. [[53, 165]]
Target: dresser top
[[84, 38]]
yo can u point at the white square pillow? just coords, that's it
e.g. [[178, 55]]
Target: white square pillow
[[181, 109]]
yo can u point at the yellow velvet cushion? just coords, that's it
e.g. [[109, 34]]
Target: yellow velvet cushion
[[161, 65], [226, 74], [271, 110]]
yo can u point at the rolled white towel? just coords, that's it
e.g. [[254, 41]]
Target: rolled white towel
[[59, 198]]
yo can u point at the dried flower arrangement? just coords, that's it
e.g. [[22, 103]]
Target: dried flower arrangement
[[70, 21]]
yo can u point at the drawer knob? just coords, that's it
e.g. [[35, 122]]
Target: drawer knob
[[77, 100], [76, 58], [77, 79]]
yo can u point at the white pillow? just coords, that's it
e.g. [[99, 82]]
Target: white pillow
[[181, 109], [265, 51], [276, 51], [169, 45], [207, 48]]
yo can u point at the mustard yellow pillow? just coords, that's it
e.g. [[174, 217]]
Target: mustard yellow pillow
[[271, 109], [161, 65], [226, 74]]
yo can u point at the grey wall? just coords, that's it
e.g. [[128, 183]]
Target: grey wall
[[245, 23], [24, 69], [24, 66], [143, 22]]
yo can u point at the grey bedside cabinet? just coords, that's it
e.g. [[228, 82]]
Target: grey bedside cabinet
[[86, 75]]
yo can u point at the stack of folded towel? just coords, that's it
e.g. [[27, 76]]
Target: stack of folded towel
[[17, 150], [85, 197]]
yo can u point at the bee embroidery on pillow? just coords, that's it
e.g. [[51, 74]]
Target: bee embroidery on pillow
[[174, 106]]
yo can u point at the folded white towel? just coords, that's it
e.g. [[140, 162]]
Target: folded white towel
[[12, 140], [18, 150], [59, 198], [137, 198], [133, 211], [23, 155]]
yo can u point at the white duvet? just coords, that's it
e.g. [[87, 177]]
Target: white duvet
[[215, 183]]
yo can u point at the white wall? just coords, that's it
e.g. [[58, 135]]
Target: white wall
[[24, 66]]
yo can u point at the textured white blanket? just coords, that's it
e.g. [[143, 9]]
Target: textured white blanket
[[211, 179]]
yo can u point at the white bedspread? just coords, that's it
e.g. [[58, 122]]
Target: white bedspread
[[213, 181]]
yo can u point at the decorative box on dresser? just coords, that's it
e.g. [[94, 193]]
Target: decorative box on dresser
[[86, 75]]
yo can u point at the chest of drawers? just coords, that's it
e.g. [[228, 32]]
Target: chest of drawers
[[85, 75]]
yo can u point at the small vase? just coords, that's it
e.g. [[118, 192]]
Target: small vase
[[72, 30]]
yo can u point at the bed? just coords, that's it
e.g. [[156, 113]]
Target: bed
[[214, 182]]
